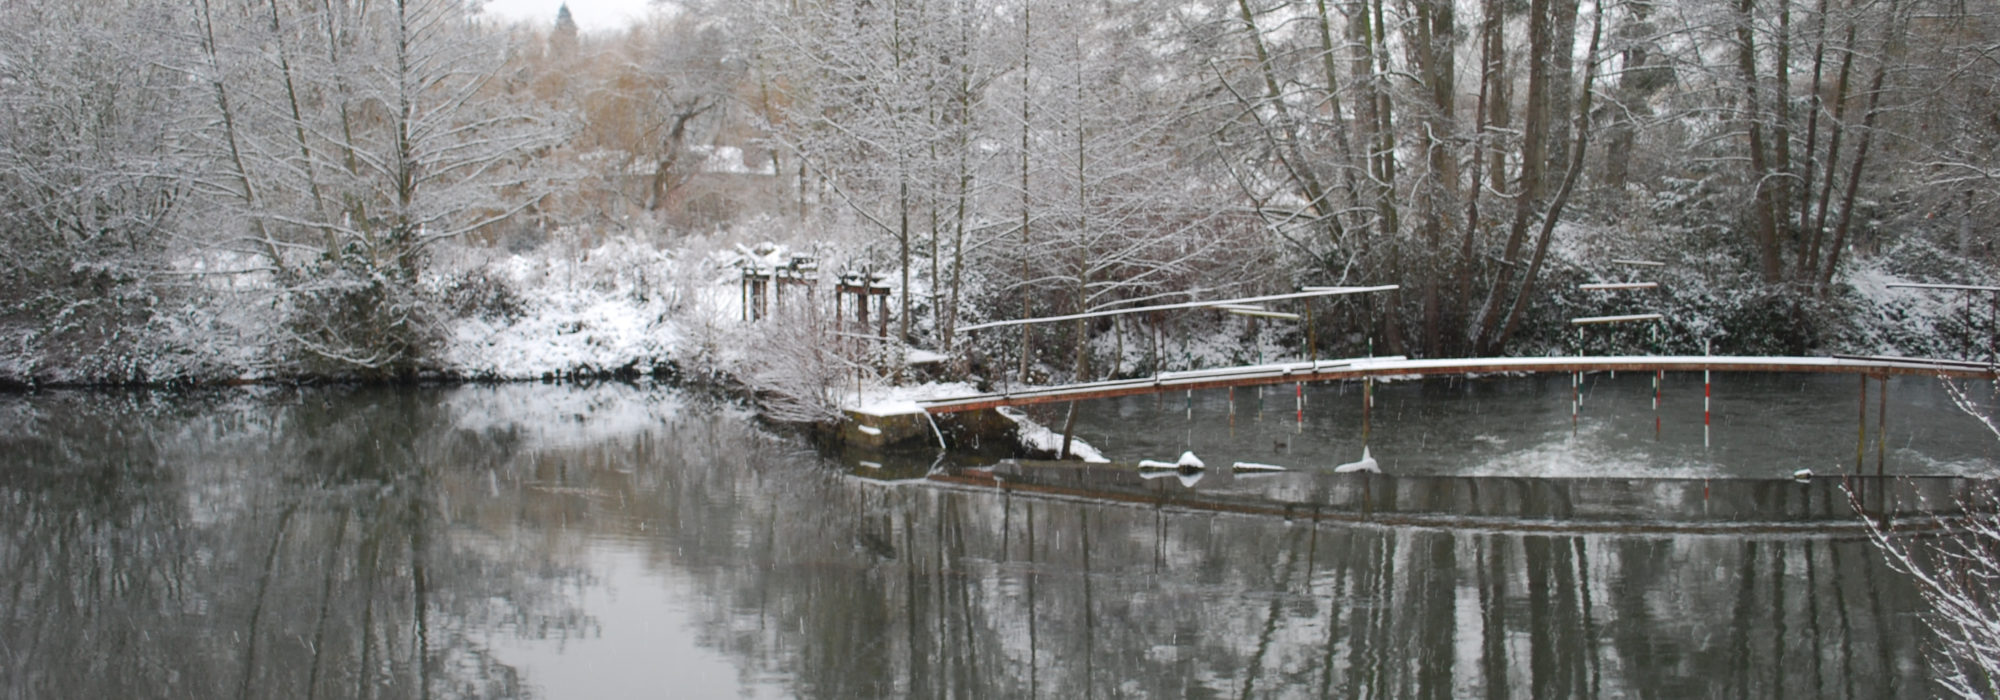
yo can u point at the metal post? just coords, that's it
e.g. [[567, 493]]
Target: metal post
[[1367, 406], [1707, 391], [1312, 339], [1576, 386], [1232, 411], [1027, 337], [1882, 426], [1861, 441]]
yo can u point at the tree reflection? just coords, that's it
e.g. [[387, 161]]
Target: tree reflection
[[282, 544], [335, 543]]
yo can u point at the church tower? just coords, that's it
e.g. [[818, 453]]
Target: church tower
[[563, 42]]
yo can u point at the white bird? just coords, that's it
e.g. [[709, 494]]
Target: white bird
[[1367, 464]]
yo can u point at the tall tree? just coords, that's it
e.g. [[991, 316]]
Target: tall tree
[[372, 135]]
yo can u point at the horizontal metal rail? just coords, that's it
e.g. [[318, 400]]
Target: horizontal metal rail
[[1594, 320], [1310, 292], [1355, 368], [1948, 287]]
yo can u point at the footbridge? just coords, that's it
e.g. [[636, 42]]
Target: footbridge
[[1365, 367]]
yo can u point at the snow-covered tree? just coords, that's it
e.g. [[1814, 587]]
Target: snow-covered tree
[[1957, 571], [92, 185], [351, 139]]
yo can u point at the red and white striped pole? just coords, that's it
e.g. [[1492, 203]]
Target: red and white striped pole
[[1576, 385], [1659, 377], [1707, 390]]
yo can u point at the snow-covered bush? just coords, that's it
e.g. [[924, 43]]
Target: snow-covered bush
[[610, 308], [795, 365]]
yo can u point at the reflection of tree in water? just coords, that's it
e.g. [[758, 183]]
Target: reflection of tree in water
[[288, 545], [930, 593], [283, 546]]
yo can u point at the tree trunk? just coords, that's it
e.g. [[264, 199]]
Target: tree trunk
[[1522, 300], [1766, 234], [1535, 130], [1890, 45], [1468, 253], [1435, 50], [1809, 237], [1835, 128]]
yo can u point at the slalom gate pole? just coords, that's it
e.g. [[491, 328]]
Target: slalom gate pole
[[1659, 377], [1707, 348]]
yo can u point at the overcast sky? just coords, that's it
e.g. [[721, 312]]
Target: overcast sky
[[591, 15]]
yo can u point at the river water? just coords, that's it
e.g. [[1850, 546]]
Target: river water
[[1758, 425], [536, 540]]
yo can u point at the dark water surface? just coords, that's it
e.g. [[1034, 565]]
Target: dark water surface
[[620, 541], [1761, 425]]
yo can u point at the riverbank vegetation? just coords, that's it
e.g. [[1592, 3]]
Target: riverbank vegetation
[[270, 189]]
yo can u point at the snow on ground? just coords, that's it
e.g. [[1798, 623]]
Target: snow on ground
[[1036, 436], [1225, 340], [1910, 318], [901, 400], [605, 308]]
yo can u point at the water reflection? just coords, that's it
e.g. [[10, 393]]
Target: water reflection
[[614, 541], [1764, 425]]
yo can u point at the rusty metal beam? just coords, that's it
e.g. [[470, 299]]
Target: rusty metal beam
[[1333, 370]]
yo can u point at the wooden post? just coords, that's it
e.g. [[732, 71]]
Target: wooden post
[[882, 319]]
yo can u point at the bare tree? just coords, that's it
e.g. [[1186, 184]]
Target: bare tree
[[91, 186], [1956, 571], [354, 138]]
